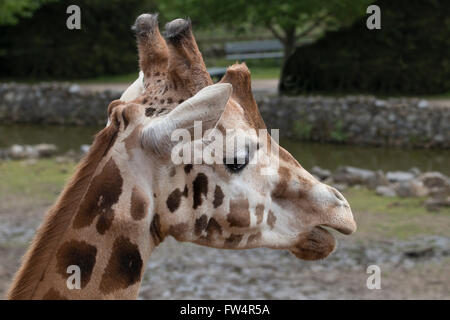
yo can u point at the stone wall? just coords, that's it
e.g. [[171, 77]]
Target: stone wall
[[53, 103], [362, 120]]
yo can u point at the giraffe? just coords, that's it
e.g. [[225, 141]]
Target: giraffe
[[127, 195]]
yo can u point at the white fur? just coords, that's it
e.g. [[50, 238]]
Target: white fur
[[135, 90]]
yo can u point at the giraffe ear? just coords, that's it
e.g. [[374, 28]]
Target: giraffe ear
[[206, 106]]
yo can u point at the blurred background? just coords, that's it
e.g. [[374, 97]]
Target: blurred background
[[365, 110]]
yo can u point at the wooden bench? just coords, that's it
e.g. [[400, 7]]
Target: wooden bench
[[248, 50]]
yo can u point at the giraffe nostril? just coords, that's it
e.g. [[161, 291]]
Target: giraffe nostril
[[337, 194]]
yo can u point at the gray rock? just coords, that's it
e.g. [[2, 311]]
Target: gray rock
[[45, 150], [84, 148], [436, 203], [380, 103], [22, 152], [415, 171], [423, 104], [437, 183], [411, 189], [74, 88], [439, 138], [434, 180], [352, 175], [322, 174], [378, 179], [385, 191], [399, 176]]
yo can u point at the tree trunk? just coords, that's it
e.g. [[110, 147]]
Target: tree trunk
[[289, 42]]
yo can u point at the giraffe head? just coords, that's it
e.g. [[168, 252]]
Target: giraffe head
[[250, 192]]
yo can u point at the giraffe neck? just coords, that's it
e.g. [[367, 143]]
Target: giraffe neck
[[101, 224]]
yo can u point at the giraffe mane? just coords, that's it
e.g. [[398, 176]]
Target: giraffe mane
[[58, 218]]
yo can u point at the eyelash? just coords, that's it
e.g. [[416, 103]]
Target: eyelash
[[235, 167]]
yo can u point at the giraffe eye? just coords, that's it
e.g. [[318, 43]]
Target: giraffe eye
[[240, 160], [237, 164]]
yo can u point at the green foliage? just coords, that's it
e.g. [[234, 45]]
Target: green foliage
[[409, 55], [41, 46], [288, 20], [338, 133], [302, 129], [12, 10]]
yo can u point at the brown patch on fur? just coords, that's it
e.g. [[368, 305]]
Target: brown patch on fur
[[213, 229], [284, 173], [233, 240], [259, 212], [103, 193], [104, 221], [271, 219], [254, 239], [178, 229], [281, 188], [200, 224], [200, 186], [239, 215], [150, 111], [124, 266], [53, 294], [218, 197], [57, 219], [139, 204], [188, 168], [78, 253], [173, 171], [155, 230], [185, 191], [173, 200], [313, 245]]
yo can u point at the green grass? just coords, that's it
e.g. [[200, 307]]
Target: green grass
[[260, 69], [258, 72], [32, 181], [385, 217]]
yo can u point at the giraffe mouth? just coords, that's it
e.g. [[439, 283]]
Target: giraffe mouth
[[314, 245]]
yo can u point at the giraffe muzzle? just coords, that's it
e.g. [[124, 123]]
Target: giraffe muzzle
[[335, 213]]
